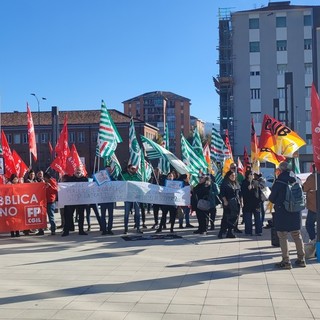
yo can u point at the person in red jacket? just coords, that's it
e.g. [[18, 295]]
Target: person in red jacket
[[51, 193]]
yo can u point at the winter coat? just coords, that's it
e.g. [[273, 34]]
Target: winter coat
[[282, 219], [310, 188], [201, 191], [251, 198]]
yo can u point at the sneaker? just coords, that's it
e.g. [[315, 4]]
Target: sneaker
[[110, 232], [283, 265], [139, 231], [300, 263], [40, 233], [189, 225]]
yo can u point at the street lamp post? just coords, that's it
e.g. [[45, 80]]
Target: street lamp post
[[39, 133]]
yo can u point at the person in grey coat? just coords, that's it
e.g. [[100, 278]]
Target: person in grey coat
[[286, 222]]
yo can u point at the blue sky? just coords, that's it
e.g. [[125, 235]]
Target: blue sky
[[75, 52]]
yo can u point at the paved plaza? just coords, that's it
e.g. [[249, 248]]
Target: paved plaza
[[195, 277]]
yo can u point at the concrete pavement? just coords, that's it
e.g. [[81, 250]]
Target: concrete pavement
[[196, 277]]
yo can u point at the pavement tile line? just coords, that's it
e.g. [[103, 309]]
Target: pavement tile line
[[195, 277]]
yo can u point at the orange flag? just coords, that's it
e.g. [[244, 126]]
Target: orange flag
[[315, 125], [268, 155], [31, 135], [279, 138]]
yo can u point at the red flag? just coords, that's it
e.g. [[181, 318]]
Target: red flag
[[241, 168], [62, 150], [7, 156], [315, 125], [73, 162], [246, 162], [21, 167], [31, 135], [228, 145]]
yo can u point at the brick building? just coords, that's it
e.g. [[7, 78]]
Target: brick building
[[83, 129], [159, 108]]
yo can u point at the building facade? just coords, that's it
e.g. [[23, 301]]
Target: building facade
[[83, 127], [160, 108], [268, 59]]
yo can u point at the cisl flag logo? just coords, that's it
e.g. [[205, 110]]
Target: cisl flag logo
[[33, 215]]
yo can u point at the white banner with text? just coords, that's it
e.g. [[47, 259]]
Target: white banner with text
[[74, 193]]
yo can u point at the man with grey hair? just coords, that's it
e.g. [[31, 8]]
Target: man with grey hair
[[286, 222]]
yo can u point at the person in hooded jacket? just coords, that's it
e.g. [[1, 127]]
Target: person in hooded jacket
[[286, 222]]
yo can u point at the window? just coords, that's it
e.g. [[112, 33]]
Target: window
[[16, 138], [255, 94], [308, 115], [81, 137], [307, 91], [72, 137], [307, 20], [254, 73], [307, 44], [281, 68], [282, 45], [9, 138], [254, 46], [256, 116], [281, 22], [25, 138], [308, 68], [94, 137], [254, 23], [44, 137], [281, 93], [309, 139]]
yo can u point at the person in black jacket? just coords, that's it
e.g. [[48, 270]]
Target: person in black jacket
[[201, 191], [69, 210], [230, 194], [251, 195], [286, 222]]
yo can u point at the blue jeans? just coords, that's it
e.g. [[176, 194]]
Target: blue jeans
[[104, 207], [186, 212], [311, 224], [127, 206], [51, 206], [96, 212], [247, 217]]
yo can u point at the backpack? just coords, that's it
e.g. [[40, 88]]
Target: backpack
[[294, 199]]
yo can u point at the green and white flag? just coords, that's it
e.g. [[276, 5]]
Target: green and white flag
[[164, 165], [194, 163], [218, 147], [197, 144], [134, 148], [155, 151], [108, 136], [115, 166]]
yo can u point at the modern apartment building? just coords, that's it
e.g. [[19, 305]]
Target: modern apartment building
[[268, 59], [159, 108]]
